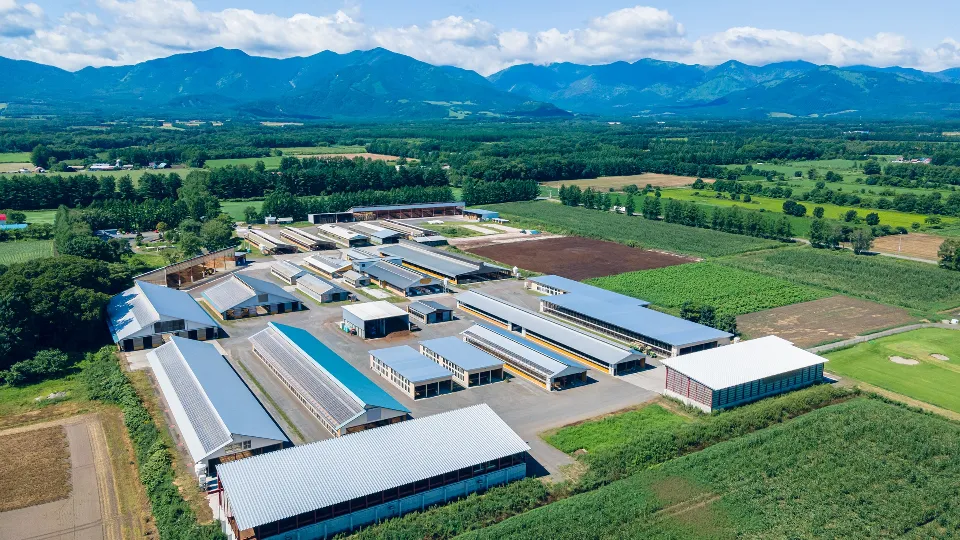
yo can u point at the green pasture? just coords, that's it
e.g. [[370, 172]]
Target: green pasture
[[596, 435], [18, 251], [235, 208], [14, 157], [320, 150]]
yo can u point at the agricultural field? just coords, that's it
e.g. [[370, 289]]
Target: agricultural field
[[816, 476], [320, 150], [630, 230], [136, 173], [273, 162], [235, 208], [821, 321], [915, 285], [35, 469], [617, 183], [922, 364], [40, 216], [731, 291], [577, 258], [24, 250], [923, 246], [596, 435], [14, 157]]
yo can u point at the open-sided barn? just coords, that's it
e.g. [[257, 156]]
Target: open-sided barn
[[140, 316]]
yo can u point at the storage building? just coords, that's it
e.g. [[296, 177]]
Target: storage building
[[470, 366], [407, 211], [321, 489], [527, 359], [600, 353], [402, 281], [326, 266], [413, 373], [444, 265], [140, 316], [355, 279], [377, 234], [624, 318], [361, 258], [241, 296], [320, 290], [218, 417], [741, 373], [268, 244], [343, 236], [429, 312], [371, 320], [286, 271], [341, 398], [305, 240]]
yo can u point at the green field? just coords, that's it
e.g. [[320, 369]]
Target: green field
[[451, 231], [859, 469], [24, 250], [933, 381], [319, 150], [731, 291], [616, 429], [134, 174], [40, 216], [272, 162], [909, 284], [14, 157], [630, 230], [235, 208]]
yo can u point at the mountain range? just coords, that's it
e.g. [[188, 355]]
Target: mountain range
[[380, 84]]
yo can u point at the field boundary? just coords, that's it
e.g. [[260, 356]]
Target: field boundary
[[829, 347]]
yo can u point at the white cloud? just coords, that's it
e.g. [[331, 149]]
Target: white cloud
[[117, 32]]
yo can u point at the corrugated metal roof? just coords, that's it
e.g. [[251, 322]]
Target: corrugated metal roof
[[240, 288], [398, 276], [482, 212], [312, 283], [549, 362], [462, 354], [426, 307], [356, 209], [327, 264], [207, 398], [373, 311], [571, 338], [409, 363], [340, 232], [287, 269], [282, 484], [144, 304], [575, 287], [445, 266], [743, 362]]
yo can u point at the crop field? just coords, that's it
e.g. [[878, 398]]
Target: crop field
[[922, 364], [604, 183], [24, 250], [732, 291], [318, 150], [235, 208], [630, 230], [273, 162], [595, 435], [859, 469], [915, 285], [820, 321], [924, 246], [35, 468], [134, 174], [14, 157], [577, 258]]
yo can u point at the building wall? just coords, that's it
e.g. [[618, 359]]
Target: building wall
[[698, 395], [193, 331]]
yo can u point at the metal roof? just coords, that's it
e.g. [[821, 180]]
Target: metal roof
[[306, 235], [374, 311], [740, 363], [269, 238], [436, 261], [207, 398], [410, 364], [287, 269], [578, 341], [462, 354], [426, 307], [327, 264], [377, 231], [240, 288], [144, 304], [356, 209], [277, 485], [398, 276], [340, 232], [542, 359], [481, 212], [312, 283], [575, 287]]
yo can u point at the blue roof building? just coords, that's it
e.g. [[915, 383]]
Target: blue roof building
[[413, 373], [140, 315], [470, 365], [240, 296]]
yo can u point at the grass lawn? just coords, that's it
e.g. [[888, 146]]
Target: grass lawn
[[931, 380], [19, 251], [235, 208], [14, 157], [452, 230], [615, 429], [16, 400]]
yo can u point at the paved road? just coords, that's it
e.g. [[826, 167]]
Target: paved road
[[893, 331]]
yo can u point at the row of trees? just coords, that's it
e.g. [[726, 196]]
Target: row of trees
[[284, 204], [481, 192]]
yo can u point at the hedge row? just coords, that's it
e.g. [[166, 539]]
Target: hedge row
[[174, 518]]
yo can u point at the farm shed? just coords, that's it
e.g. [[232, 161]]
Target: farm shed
[[470, 366], [355, 279], [429, 312], [741, 373], [527, 359], [241, 296], [335, 392], [371, 320], [444, 265], [343, 236], [480, 215], [416, 375], [600, 353], [321, 489], [304, 240], [402, 281], [286, 271], [218, 417], [192, 270], [377, 234], [140, 316], [361, 258], [407, 211], [330, 217], [320, 290], [624, 318], [327, 266], [269, 244]]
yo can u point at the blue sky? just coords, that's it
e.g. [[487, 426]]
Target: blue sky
[[488, 36]]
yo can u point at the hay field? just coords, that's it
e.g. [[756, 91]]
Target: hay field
[[35, 468]]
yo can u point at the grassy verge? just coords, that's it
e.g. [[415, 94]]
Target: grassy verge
[[19, 405], [596, 435], [134, 505]]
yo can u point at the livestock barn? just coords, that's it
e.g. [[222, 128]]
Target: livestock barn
[[343, 236], [142, 315], [286, 271], [407, 211], [429, 312], [320, 290], [470, 366], [371, 320], [327, 267], [413, 373], [241, 296], [443, 264], [741, 373], [305, 240], [269, 244], [399, 280], [321, 489]]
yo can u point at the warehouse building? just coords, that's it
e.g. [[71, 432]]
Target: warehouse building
[[356, 279], [624, 318], [407, 211], [470, 366], [413, 373], [479, 214], [444, 265], [142, 315], [378, 235], [371, 320], [286, 271], [321, 489], [320, 290], [429, 312], [218, 417], [600, 353], [268, 244], [527, 359], [741, 373], [241, 296], [401, 281], [343, 236], [327, 267], [341, 398], [304, 240]]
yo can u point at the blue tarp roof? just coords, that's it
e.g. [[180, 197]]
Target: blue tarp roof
[[362, 387], [462, 354], [410, 364]]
